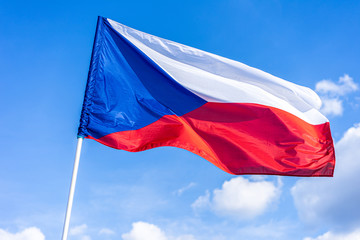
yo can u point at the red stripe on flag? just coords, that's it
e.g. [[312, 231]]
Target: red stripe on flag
[[240, 139]]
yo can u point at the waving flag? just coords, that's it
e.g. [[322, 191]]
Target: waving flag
[[145, 92]]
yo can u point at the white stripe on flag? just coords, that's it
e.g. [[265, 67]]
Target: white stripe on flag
[[218, 79]]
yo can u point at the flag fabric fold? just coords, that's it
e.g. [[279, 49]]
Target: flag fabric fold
[[145, 92]]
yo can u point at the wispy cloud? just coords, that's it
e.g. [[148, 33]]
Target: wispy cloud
[[332, 94], [77, 230], [80, 232], [353, 235], [332, 106], [143, 230], [180, 191], [148, 231], [106, 231], [344, 86], [269, 230], [32, 233], [240, 198], [202, 202]]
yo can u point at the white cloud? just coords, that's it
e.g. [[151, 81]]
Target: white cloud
[[106, 231], [202, 202], [143, 230], [148, 231], [240, 198], [354, 235], [269, 230], [332, 106], [78, 230], [180, 191], [334, 200], [185, 237], [332, 94], [344, 86], [31, 233], [327, 86]]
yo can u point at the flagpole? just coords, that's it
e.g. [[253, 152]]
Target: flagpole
[[72, 188]]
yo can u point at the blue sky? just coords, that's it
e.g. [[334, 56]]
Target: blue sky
[[168, 193]]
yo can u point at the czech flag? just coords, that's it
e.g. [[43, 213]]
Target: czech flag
[[145, 92]]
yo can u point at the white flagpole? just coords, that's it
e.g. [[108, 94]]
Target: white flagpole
[[72, 189]]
